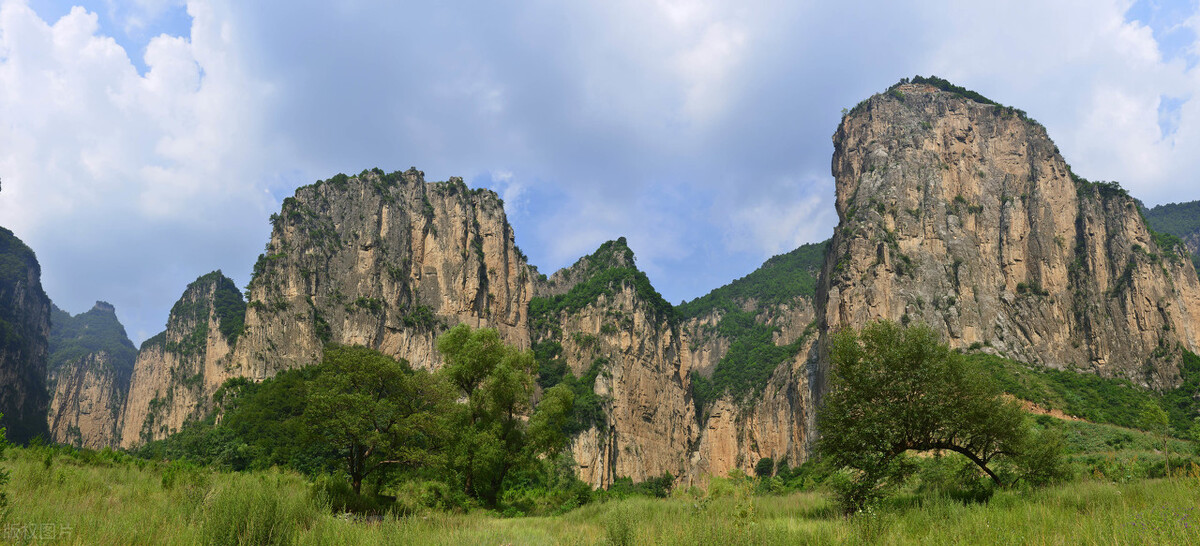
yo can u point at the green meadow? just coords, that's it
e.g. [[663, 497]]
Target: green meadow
[[64, 496]]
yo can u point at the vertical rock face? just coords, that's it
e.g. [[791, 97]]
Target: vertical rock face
[[601, 321], [963, 215], [386, 261], [178, 370], [747, 345], [24, 326], [91, 361]]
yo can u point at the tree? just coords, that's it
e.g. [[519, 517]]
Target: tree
[[495, 432], [895, 389], [765, 467], [376, 412], [1155, 420]]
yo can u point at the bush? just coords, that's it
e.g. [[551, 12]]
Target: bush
[[337, 493]]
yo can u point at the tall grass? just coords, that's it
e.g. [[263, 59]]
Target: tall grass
[[118, 500]]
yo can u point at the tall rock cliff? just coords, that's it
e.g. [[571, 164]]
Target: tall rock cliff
[[747, 345], [387, 261], [605, 325], [178, 370], [961, 213], [91, 361], [695, 391], [24, 325]]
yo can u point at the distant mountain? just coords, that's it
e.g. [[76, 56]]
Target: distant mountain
[[90, 363], [1181, 220]]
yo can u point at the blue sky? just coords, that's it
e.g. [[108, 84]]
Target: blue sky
[[146, 142]]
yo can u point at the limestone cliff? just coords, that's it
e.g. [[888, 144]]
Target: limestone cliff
[[24, 326], [747, 346], [91, 361], [178, 370], [694, 391], [961, 213], [387, 261]]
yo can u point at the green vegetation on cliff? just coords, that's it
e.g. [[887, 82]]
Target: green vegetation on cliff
[[602, 274], [779, 280], [606, 271], [227, 307], [753, 355], [1180, 220], [93, 332], [23, 398], [1100, 399], [16, 262]]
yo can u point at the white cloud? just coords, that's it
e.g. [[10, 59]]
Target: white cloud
[[699, 130], [122, 182]]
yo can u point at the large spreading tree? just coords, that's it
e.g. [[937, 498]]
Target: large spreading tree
[[377, 412], [897, 389]]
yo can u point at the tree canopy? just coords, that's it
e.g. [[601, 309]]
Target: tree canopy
[[376, 411], [896, 389]]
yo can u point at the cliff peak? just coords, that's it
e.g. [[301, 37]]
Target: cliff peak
[[961, 213]]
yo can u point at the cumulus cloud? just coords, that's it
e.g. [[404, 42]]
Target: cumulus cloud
[[124, 184], [699, 130]]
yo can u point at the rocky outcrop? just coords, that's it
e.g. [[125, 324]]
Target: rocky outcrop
[[178, 370], [91, 361], [773, 422], [387, 261], [602, 321], [24, 326], [635, 354], [962, 214]]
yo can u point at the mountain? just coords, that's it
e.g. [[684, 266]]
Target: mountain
[[954, 211], [1180, 220], [87, 373], [387, 261], [178, 370], [24, 327], [961, 213]]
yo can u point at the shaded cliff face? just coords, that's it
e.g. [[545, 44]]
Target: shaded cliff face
[[384, 261], [24, 326], [964, 216], [178, 370], [90, 364]]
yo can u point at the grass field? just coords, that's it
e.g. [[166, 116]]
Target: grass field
[[58, 498]]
